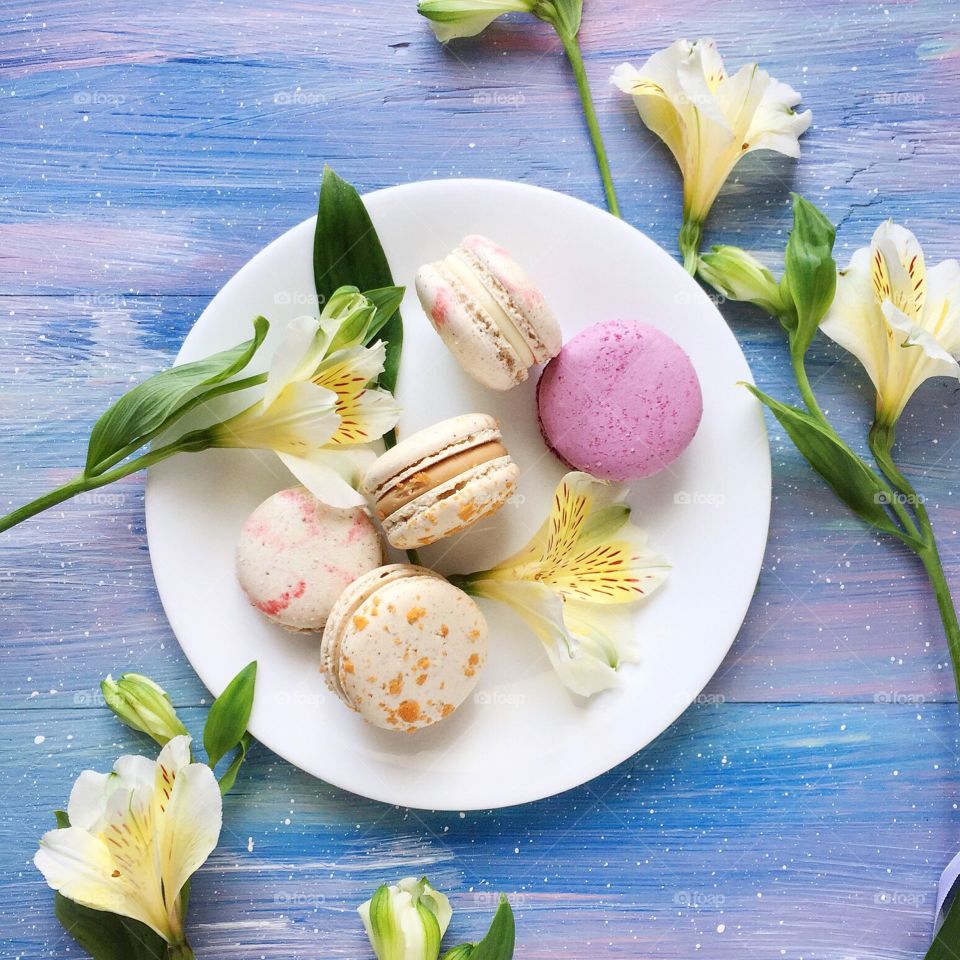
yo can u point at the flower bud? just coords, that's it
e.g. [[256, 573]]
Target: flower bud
[[451, 19], [736, 275], [143, 705], [406, 921]]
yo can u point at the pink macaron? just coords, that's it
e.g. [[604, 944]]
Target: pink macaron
[[621, 401]]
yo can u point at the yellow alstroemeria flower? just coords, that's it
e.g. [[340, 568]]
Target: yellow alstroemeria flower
[[899, 318], [587, 557], [136, 836], [709, 120]]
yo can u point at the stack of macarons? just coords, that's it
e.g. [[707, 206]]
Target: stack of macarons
[[400, 644]]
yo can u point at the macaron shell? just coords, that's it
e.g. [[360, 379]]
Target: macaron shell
[[517, 294], [428, 446], [469, 333], [453, 506], [295, 556], [412, 653], [351, 598], [621, 401]]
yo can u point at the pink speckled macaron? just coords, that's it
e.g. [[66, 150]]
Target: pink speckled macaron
[[492, 318], [621, 401], [296, 555]]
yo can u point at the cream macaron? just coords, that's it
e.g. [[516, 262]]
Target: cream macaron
[[296, 555], [441, 480], [403, 647], [488, 313]]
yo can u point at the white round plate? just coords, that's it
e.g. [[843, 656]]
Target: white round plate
[[522, 736]]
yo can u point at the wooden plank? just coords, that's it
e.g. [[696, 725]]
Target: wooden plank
[[815, 830]]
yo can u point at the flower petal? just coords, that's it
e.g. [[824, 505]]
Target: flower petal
[[321, 473], [898, 270], [190, 822], [942, 314], [584, 668], [296, 356], [302, 418]]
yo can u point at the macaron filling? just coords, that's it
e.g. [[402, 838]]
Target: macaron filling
[[437, 474], [466, 274]]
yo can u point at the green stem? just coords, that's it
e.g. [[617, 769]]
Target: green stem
[[84, 484], [691, 236], [803, 382], [572, 47], [233, 386], [882, 439], [180, 951]]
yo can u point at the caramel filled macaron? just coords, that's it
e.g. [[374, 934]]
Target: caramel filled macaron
[[403, 647], [441, 480]]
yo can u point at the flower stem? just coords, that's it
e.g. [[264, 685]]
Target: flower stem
[[572, 47], [882, 439], [84, 484], [691, 236], [180, 951]]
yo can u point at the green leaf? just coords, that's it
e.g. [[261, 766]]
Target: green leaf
[[845, 473], [347, 252], [105, 936], [946, 944], [230, 774], [463, 952], [387, 300], [499, 942], [810, 276], [147, 407], [63, 820], [229, 715]]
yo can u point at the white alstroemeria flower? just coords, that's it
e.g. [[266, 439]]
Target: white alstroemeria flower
[[406, 921], [136, 836], [900, 319], [318, 408], [451, 19], [587, 556], [710, 120]]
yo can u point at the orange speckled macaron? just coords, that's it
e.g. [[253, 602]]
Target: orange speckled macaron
[[403, 647]]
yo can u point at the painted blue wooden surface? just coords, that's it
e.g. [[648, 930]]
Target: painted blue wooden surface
[[806, 806]]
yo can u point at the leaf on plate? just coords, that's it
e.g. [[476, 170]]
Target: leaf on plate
[[347, 252], [147, 407], [228, 718], [846, 474], [105, 936]]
